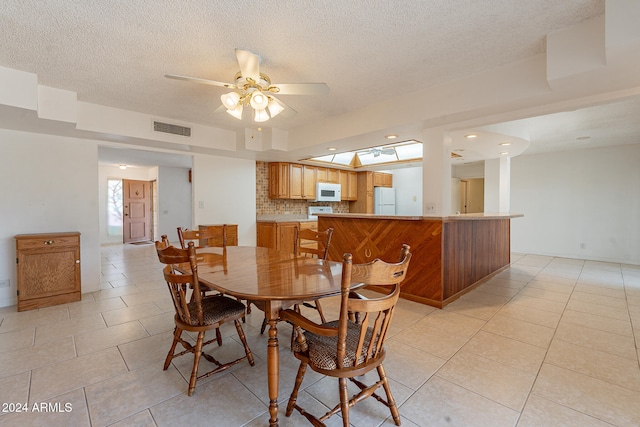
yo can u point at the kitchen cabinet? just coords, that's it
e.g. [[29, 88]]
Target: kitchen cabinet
[[298, 182], [48, 269], [232, 234], [333, 175], [364, 199], [281, 235], [302, 182], [292, 181], [382, 179], [279, 180], [349, 185]]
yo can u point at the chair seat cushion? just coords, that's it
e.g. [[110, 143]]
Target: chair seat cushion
[[322, 350], [216, 308]]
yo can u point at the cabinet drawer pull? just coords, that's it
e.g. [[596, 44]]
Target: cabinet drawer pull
[[49, 242], [367, 253]]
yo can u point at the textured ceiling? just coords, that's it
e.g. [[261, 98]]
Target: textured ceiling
[[116, 53]]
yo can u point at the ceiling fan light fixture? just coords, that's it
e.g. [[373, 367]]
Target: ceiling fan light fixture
[[230, 100], [259, 100], [236, 112], [261, 116], [274, 107]]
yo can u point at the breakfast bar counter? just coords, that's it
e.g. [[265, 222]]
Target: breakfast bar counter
[[451, 255]]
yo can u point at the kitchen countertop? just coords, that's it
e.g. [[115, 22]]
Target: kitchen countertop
[[458, 217], [285, 218]]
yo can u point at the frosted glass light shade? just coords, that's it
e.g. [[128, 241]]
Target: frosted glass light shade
[[230, 100], [236, 112], [275, 107], [261, 115], [259, 100]]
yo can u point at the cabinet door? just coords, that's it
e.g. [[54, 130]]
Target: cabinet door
[[278, 180], [266, 237], [296, 184], [382, 179], [321, 175], [333, 176], [286, 236], [48, 270], [352, 182], [309, 182], [344, 185]]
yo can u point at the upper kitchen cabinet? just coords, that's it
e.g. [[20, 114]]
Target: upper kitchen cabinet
[[381, 179], [349, 185], [297, 181], [302, 182], [279, 180]]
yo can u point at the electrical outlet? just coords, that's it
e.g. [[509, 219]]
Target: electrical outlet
[[201, 204], [430, 207], [5, 283]]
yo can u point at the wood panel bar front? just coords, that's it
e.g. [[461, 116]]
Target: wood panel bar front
[[451, 255]]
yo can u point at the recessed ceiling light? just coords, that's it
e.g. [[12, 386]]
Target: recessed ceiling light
[[391, 136], [123, 167], [505, 143], [504, 153], [582, 138], [332, 148], [471, 135]]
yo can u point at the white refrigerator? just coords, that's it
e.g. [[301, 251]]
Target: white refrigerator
[[384, 200]]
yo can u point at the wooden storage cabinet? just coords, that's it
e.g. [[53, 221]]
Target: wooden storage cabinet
[[348, 185], [232, 234], [48, 269], [297, 181], [280, 235], [381, 179], [364, 199]]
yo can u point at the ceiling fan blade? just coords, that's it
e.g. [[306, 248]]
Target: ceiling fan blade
[[302, 88], [203, 81], [249, 64], [288, 111]]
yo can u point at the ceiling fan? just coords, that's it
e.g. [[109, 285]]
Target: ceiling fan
[[253, 88]]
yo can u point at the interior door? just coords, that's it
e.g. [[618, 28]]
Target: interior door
[[137, 211]]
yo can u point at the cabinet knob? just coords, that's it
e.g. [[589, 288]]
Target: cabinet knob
[[49, 242], [77, 261]]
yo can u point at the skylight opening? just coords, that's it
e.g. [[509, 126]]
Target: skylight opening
[[406, 151]]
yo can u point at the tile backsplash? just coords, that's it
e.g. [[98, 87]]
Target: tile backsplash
[[267, 206]]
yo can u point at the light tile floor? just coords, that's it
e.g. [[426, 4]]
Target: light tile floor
[[546, 342]]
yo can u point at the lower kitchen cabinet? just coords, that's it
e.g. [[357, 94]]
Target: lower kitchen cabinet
[[280, 235], [48, 269], [232, 234]]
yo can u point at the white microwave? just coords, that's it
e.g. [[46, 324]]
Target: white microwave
[[327, 192]]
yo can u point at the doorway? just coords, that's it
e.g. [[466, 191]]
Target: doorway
[[137, 211]]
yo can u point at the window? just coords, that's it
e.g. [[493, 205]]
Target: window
[[114, 207]]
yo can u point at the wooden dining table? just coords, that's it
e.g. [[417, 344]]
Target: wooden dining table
[[276, 281]]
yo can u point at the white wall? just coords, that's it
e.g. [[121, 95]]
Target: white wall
[[578, 204], [227, 189], [174, 201], [408, 185], [50, 184]]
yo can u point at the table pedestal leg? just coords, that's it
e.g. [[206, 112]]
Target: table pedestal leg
[[273, 366]]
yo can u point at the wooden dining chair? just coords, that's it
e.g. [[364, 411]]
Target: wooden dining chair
[[309, 243], [197, 314], [345, 349], [211, 236]]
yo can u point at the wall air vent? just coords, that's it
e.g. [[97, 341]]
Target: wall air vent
[[173, 129]]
